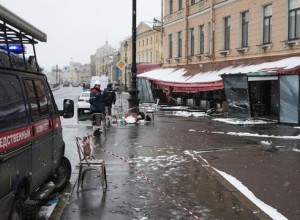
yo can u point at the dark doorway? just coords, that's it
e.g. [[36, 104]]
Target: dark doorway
[[264, 98]]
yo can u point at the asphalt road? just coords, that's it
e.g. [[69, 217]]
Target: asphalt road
[[154, 171]]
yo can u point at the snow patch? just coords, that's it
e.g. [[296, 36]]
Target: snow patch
[[273, 213], [237, 121]]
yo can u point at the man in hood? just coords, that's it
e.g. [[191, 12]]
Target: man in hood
[[109, 99]]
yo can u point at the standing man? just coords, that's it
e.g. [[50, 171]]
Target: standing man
[[109, 99], [97, 105], [96, 99]]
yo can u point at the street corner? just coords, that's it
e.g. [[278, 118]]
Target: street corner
[[241, 205]]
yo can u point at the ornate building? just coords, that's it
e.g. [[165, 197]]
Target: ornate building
[[148, 49], [104, 62]]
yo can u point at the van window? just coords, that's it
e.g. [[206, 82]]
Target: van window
[[12, 106], [38, 101]]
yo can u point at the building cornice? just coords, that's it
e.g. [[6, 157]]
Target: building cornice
[[221, 4]]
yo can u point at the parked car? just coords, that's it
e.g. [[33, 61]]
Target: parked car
[[83, 105], [32, 161], [75, 84], [66, 84]]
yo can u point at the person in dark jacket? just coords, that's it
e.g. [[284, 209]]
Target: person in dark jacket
[[97, 106], [109, 99], [96, 99]]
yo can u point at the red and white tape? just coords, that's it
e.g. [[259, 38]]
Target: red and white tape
[[139, 171]]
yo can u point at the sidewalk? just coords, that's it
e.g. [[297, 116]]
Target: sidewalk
[[273, 177], [160, 151]]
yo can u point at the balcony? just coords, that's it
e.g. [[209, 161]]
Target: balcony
[[178, 59], [169, 60], [200, 56], [242, 50], [224, 53], [291, 43], [264, 47]]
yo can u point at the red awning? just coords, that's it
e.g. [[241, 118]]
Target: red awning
[[291, 71], [191, 87], [145, 67], [207, 77]]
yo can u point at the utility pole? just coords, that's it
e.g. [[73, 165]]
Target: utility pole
[[125, 46], [133, 99]]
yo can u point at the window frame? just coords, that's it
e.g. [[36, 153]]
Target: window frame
[[170, 7], [16, 92], [180, 6], [179, 44], [201, 39], [267, 29], [170, 46], [227, 26], [192, 42], [36, 97], [293, 28], [245, 29]]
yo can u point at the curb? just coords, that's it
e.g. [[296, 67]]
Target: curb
[[244, 204], [63, 200]]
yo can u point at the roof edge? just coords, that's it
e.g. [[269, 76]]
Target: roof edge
[[19, 23]]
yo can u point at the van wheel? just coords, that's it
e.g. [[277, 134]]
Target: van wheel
[[17, 209], [62, 175]]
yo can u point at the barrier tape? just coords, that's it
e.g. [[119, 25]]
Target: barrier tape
[[148, 180]]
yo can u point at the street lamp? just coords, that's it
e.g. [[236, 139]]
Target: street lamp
[[133, 99], [125, 46]]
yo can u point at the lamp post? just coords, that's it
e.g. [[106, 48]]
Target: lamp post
[[133, 99], [125, 46]]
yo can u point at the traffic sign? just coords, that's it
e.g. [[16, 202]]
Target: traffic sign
[[121, 64]]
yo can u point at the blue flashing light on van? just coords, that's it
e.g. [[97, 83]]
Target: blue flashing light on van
[[14, 48]]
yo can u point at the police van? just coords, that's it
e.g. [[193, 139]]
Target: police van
[[32, 161]]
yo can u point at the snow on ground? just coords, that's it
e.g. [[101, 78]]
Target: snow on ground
[[46, 210], [243, 189], [168, 161], [241, 121], [189, 114], [273, 213], [245, 134]]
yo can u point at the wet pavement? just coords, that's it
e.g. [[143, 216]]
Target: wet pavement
[[165, 170]]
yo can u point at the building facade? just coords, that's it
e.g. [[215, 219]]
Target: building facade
[[103, 59], [104, 63], [75, 73], [203, 31], [148, 50], [216, 35]]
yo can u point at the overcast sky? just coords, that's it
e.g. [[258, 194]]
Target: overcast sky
[[76, 28]]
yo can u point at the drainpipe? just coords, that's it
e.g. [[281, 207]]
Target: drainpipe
[[186, 44], [162, 32], [212, 30]]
